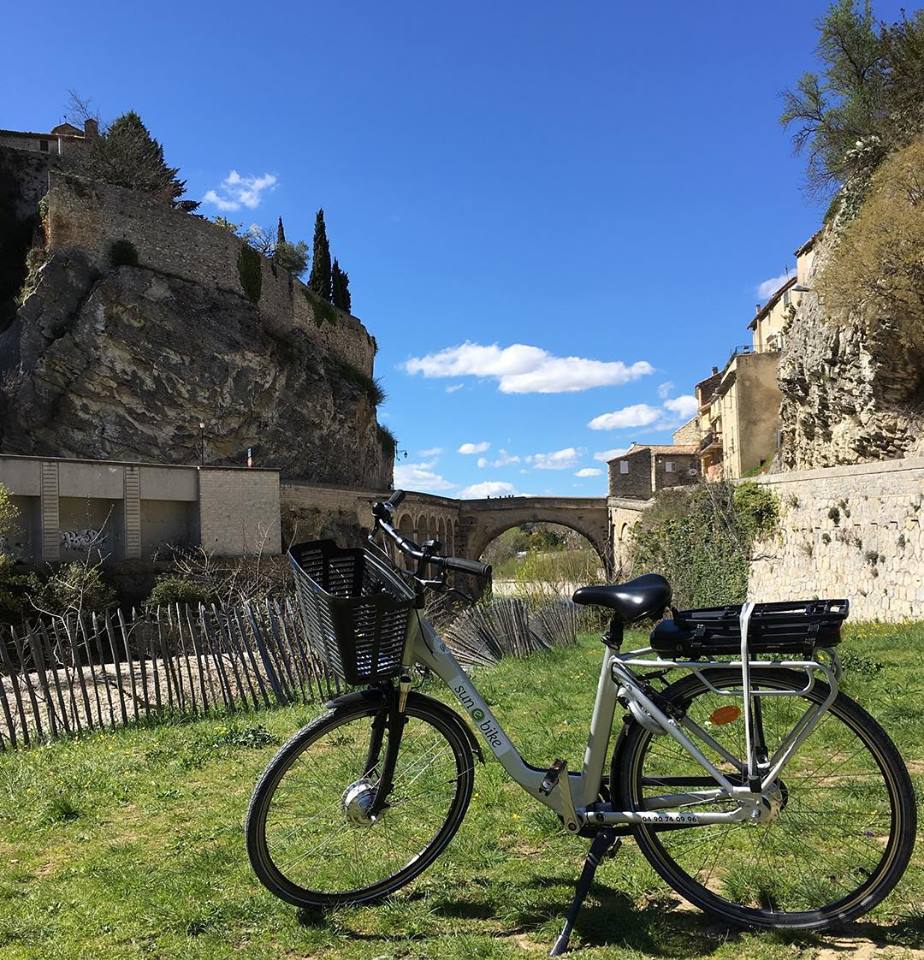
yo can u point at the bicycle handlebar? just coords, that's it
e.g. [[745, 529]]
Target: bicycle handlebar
[[383, 513]]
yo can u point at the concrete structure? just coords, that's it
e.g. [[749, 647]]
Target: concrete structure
[[131, 511], [62, 140], [646, 468], [850, 531]]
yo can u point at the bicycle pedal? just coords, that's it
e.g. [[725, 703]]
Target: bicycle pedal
[[551, 777]]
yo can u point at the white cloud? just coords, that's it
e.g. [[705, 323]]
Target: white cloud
[[490, 488], [589, 472], [635, 415], [431, 453], [521, 368], [420, 476], [674, 412], [665, 389], [469, 448], [606, 455], [684, 406], [236, 191], [769, 287], [558, 460], [454, 387], [504, 459]]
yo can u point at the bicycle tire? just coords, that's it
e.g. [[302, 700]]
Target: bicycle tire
[[419, 711], [628, 774]]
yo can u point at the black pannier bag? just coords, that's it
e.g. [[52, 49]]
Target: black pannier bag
[[787, 627], [355, 607]]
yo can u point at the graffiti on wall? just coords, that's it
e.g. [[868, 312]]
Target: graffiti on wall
[[82, 539]]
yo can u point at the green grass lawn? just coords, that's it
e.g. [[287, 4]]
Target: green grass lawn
[[129, 844]]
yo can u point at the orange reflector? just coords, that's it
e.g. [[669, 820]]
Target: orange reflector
[[724, 715]]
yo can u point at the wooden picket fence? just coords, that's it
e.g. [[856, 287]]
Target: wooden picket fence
[[92, 671]]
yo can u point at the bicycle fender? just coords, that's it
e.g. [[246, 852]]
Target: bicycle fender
[[374, 695]]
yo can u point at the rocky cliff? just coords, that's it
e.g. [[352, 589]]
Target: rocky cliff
[[850, 395], [125, 363]]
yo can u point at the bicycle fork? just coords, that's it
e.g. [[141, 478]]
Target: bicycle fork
[[391, 718]]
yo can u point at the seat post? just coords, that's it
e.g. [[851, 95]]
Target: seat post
[[614, 633]]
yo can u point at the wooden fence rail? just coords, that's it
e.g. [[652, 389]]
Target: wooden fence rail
[[92, 671]]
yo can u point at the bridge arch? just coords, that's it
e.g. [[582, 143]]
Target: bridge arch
[[484, 520]]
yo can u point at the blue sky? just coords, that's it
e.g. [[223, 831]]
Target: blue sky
[[556, 217]]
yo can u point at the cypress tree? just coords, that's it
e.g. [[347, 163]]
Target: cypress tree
[[340, 287], [320, 279], [280, 235]]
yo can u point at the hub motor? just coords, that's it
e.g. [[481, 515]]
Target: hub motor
[[357, 801]]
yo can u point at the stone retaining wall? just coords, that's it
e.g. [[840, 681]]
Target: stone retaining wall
[[850, 531], [92, 215]]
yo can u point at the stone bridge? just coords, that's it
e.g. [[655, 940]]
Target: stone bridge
[[465, 527]]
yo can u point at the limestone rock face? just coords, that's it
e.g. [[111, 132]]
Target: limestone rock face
[[125, 365], [850, 395]]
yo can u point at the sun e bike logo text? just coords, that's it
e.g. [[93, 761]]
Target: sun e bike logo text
[[496, 740]]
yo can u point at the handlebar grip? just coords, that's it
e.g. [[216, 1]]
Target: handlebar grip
[[474, 567], [396, 499]]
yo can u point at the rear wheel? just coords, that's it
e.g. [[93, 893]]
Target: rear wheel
[[310, 836], [844, 826]]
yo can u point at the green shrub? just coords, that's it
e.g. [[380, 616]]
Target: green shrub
[[122, 253], [346, 372], [171, 588], [323, 311], [756, 508], [71, 587], [14, 591], [249, 269], [701, 539], [876, 271]]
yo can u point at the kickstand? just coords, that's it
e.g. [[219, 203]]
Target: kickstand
[[602, 843]]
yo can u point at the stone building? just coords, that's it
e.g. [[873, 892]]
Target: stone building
[[739, 406], [63, 140], [646, 468]]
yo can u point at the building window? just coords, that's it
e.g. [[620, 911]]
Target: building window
[[623, 466], [43, 146], [668, 466]]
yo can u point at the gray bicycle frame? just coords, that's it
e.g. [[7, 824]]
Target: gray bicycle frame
[[575, 795]]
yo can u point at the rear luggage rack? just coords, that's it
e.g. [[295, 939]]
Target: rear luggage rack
[[790, 626]]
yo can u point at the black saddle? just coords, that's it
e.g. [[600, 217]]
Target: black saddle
[[646, 596]]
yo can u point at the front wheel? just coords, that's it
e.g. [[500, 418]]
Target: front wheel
[[312, 838], [843, 827]]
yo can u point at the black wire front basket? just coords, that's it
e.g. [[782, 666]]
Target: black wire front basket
[[355, 607]]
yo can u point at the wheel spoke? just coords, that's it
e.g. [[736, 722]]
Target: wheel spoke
[[826, 844], [317, 833]]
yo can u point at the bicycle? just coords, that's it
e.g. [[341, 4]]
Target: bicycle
[[754, 787]]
